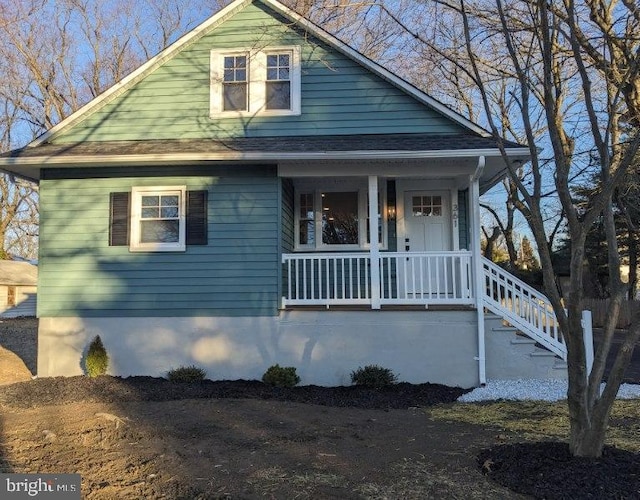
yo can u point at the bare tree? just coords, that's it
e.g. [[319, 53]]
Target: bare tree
[[574, 66], [54, 57]]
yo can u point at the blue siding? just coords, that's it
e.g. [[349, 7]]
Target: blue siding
[[338, 95], [236, 274]]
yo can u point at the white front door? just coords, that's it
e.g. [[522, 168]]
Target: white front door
[[427, 224], [427, 221]]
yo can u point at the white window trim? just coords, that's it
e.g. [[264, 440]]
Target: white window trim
[[317, 189], [136, 212], [257, 77]]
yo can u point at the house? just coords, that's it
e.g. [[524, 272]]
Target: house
[[18, 286], [216, 208]]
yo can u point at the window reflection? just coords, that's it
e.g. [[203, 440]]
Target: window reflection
[[340, 218]]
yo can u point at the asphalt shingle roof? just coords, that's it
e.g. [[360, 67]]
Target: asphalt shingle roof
[[301, 144]]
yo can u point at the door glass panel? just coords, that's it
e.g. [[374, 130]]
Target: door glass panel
[[427, 206]]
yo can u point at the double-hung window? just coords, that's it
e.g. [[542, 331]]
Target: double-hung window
[[255, 82], [235, 86], [278, 81], [158, 219]]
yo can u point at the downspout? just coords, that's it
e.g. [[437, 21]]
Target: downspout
[[474, 191]]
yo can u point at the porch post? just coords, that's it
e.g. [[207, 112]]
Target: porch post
[[474, 191], [374, 247]]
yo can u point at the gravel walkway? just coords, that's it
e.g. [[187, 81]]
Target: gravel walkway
[[534, 389]]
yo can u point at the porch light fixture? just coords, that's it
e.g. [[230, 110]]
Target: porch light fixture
[[391, 213]]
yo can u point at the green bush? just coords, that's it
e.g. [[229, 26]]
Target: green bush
[[97, 360], [373, 376], [280, 376], [186, 374]]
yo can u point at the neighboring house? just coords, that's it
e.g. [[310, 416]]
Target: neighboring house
[[18, 287], [215, 208]]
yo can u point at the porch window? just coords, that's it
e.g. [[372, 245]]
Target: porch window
[[306, 225], [333, 219]]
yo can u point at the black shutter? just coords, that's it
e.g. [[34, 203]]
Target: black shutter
[[119, 207], [197, 218]]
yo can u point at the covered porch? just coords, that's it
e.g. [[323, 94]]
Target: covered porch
[[425, 213]]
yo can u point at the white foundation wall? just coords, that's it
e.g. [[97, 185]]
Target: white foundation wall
[[324, 346]]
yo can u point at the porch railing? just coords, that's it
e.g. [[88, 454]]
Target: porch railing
[[421, 278], [523, 306], [426, 278]]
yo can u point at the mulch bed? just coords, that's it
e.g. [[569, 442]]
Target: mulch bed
[[547, 470], [106, 389], [542, 470]]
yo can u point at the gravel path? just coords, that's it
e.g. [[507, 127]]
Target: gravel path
[[534, 389]]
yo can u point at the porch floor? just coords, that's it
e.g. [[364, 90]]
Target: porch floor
[[392, 307]]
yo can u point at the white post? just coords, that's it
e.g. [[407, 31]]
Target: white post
[[374, 248], [587, 336], [478, 275]]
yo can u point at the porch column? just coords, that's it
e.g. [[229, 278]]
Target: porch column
[[374, 247], [478, 275]]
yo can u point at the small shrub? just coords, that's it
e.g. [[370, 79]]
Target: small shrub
[[186, 374], [281, 376], [97, 360], [373, 376]]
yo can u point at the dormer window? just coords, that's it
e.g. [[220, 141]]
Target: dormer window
[[255, 82]]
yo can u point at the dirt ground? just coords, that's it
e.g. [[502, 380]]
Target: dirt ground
[[148, 438]]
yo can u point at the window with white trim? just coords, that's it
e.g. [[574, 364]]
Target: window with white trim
[[255, 82], [235, 83], [158, 221], [336, 218]]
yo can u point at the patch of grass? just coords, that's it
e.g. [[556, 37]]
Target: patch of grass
[[539, 420], [416, 479], [267, 481]]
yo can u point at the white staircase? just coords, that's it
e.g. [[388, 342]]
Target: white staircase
[[525, 309], [513, 355]]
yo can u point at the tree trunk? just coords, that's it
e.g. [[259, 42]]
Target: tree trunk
[[587, 439]]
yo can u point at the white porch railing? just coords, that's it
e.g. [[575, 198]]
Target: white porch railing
[[406, 278], [426, 278], [523, 306]]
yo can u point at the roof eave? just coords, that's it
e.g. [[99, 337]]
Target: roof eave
[[24, 166]]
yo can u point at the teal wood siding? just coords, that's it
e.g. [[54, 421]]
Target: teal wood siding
[[338, 95], [287, 219], [236, 274], [463, 218], [287, 228]]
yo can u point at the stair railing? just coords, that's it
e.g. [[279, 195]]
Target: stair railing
[[523, 306]]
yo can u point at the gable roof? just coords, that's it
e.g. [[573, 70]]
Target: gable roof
[[217, 19], [472, 140], [18, 273]]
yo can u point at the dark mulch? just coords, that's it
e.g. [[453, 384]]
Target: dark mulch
[[58, 390], [540, 469], [547, 470]]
